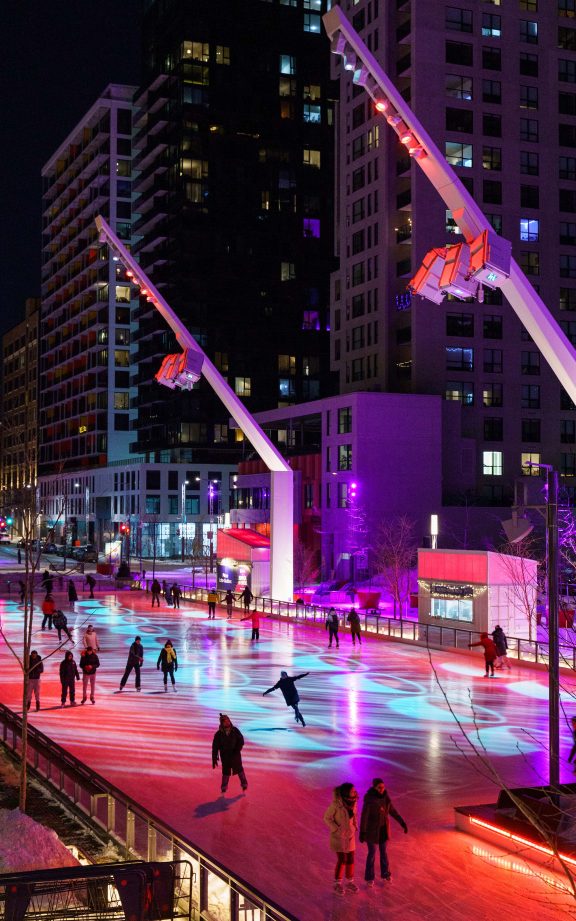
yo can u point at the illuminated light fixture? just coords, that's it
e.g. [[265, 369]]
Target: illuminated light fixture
[[338, 44], [417, 152], [426, 280], [394, 119], [525, 841], [350, 60], [381, 105], [129, 274], [144, 291], [407, 138], [455, 278], [490, 257], [150, 299], [181, 370]]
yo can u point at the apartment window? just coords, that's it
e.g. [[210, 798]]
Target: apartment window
[[493, 428], [530, 396], [358, 369], [529, 461], [491, 58], [492, 125], [458, 86], [458, 20], [567, 135], [530, 362], [492, 158], [243, 386], [311, 157], [529, 31], [222, 55], [460, 324], [358, 179], [528, 97], [532, 5], [461, 120], [492, 361], [287, 364], [567, 464], [530, 429], [358, 305], [460, 391], [567, 71], [491, 91], [459, 359], [567, 431], [287, 271], [491, 25], [121, 401], [358, 210], [357, 337], [344, 457], [567, 298], [492, 191], [342, 495], [152, 505], [459, 53], [286, 388], [566, 38], [312, 23], [312, 113], [458, 154], [492, 394], [492, 326], [529, 129], [492, 463], [495, 221], [345, 420], [358, 242], [529, 229], [567, 266], [528, 64], [287, 64], [529, 163], [569, 328], [358, 273], [567, 8], [567, 103]]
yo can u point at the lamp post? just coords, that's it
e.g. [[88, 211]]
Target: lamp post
[[211, 490], [183, 510], [434, 531]]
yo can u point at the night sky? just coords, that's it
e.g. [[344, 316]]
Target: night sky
[[57, 56]]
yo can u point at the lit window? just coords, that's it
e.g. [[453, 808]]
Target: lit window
[[287, 364], [287, 64], [491, 25], [459, 359], [342, 495], [312, 227], [243, 386], [311, 157], [529, 229], [460, 392], [313, 5], [459, 154], [121, 401], [527, 458], [122, 294], [458, 86], [453, 609], [287, 271], [222, 54], [195, 51], [529, 32], [286, 388], [492, 463], [312, 114], [312, 23]]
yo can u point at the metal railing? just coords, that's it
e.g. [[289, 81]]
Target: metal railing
[[216, 891]]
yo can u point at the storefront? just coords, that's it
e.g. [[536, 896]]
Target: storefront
[[476, 590], [243, 559]]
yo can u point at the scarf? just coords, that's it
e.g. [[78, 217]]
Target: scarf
[[170, 654]]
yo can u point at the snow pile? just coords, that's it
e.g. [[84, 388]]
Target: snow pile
[[27, 845]]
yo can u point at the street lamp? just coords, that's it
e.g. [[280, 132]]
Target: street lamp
[[211, 494], [434, 531], [183, 509]]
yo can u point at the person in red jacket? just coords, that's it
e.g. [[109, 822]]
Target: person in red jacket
[[254, 617], [490, 653]]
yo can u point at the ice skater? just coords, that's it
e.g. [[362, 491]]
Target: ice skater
[[375, 828], [68, 676], [227, 745], [501, 644], [72, 594], [169, 663], [573, 749], [91, 583], [246, 598], [341, 819], [135, 661], [90, 638], [254, 616], [490, 653], [332, 624], [35, 669], [229, 599], [355, 627], [60, 622], [89, 663], [48, 608], [212, 601], [176, 594], [155, 590], [291, 696]]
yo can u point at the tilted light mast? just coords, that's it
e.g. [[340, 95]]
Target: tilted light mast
[[183, 371]]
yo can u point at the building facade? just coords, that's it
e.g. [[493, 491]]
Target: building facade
[[233, 154], [493, 84]]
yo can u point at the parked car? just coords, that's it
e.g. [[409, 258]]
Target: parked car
[[87, 554], [49, 547]]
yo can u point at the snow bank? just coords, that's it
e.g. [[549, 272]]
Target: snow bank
[[27, 845]]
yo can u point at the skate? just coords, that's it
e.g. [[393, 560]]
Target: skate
[[92, 700], [351, 887], [338, 888]]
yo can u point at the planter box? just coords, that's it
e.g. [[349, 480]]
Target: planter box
[[368, 600]]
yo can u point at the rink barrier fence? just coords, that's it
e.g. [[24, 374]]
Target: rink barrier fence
[[217, 893]]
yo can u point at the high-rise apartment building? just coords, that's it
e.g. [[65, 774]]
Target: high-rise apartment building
[[233, 180], [85, 324], [494, 84]]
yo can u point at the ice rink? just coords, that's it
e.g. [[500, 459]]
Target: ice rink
[[382, 709]]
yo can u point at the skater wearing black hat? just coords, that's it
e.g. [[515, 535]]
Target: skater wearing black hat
[[227, 745]]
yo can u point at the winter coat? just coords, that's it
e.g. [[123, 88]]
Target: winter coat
[[72, 593], [246, 595], [228, 746], [500, 641], [155, 588], [332, 623], [68, 671], [229, 598], [60, 620], [490, 651], [48, 607], [342, 825], [288, 688], [35, 667], [91, 639], [177, 592], [254, 617], [89, 662], [135, 654], [375, 819], [163, 660], [354, 622], [212, 597]]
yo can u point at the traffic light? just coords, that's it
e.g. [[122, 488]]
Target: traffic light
[[124, 528], [9, 521], [2, 523]]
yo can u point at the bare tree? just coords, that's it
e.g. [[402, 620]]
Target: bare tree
[[306, 569], [517, 559], [395, 557]]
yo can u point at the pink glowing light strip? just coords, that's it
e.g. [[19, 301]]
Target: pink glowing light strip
[[537, 847]]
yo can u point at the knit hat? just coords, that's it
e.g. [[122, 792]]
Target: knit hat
[[224, 716], [377, 781]]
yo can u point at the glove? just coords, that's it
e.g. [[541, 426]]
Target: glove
[[362, 839]]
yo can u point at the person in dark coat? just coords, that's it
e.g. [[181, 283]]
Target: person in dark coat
[[227, 745], [89, 663], [47, 582], [169, 663], [355, 627], [48, 608], [501, 644], [72, 593], [91, 583], [35, 669], [229, 599], [375, 828], [490, 653], [246, 597], [291, 696], [68, 677], [60, 621], [176, 594], [135, 661], [155, 589], [332, 624]]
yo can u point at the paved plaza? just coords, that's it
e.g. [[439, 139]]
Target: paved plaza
[[376, 710]]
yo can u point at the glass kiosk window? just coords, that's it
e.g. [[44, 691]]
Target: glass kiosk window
[[453, 609]]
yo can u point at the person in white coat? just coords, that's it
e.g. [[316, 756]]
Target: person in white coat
[[91, 639], [341, 819]]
